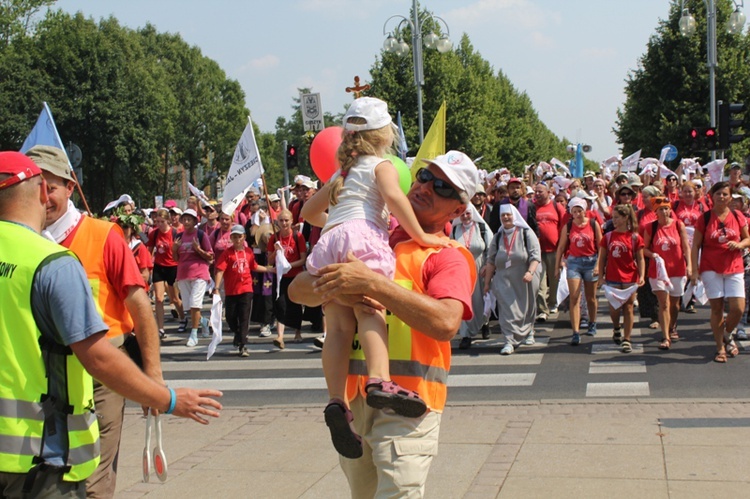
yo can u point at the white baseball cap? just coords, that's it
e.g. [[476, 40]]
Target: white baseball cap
[[237, 229], [190, 212], [373, 111], [459, 169]]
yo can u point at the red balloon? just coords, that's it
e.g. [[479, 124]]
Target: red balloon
[[323, 152]]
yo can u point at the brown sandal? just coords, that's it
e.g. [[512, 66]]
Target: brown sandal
[[665, 344], [721, 357]]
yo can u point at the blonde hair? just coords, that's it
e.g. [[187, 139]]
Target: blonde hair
[[355, 144]]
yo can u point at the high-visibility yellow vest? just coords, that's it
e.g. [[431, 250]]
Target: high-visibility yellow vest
[[23, 372], [417, 362], [88, 245]]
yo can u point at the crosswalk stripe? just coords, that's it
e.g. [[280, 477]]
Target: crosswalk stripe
[[250, 364], [617, 367], [611, 348], [635, 389], [318, 383]]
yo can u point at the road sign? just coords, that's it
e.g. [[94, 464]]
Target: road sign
[[74, 154], [312, 112], [671, 153]]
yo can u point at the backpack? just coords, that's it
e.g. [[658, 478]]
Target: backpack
[[591, 224], [482, 231]]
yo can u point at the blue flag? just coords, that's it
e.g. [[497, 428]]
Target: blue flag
[[576, 168], [44, 133], [401, 146]]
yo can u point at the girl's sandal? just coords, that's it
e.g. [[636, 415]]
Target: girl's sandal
[[721, 357], [665, 344], [389, 395], [339, 419], [673, 335]]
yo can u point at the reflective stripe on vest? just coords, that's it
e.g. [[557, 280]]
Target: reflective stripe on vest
[[88, 244], [417, 362], [23, 377]]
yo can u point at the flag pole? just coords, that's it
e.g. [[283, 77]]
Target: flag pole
[[80, 192]]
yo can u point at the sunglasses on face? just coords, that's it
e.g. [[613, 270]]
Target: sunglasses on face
[[441, 187], [627, 194]]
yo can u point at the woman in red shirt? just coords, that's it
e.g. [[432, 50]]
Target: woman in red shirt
[[621, 266], [288, 313], [688, 209], [667, 239], [160, 241], [721, 235], [580, 239]]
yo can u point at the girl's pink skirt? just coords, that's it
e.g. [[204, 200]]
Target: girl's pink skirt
[[363, 238]]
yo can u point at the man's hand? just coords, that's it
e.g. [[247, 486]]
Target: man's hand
[[351, 278], [193, 403]]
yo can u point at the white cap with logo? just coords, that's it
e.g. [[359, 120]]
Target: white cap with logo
[[459, 169]]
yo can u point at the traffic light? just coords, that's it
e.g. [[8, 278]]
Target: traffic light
[[291, 157], [729, 123], [710, 140], [703, 139]]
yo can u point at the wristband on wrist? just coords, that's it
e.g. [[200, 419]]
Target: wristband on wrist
[[172, 400]]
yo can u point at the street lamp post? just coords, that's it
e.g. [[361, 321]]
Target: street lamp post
[[688, 27], [394, 44]]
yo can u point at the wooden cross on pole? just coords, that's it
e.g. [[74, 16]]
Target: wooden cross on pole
[[357, 89]]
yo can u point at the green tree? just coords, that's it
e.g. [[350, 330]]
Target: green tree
[[669, 91], [17, 18]]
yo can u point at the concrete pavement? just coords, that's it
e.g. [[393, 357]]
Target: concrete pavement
[[550, 448]]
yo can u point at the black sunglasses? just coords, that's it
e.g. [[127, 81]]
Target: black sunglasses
[[441, 187]]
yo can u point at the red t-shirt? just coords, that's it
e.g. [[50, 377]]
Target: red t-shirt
[[582, 240], [445, 274], [646, 218], [122, 271], [715, 255], [549, 218], [673, 196], [142, 257], [688, 215], [589, 214], [668, 245], [293, 246], [161, 244], [237, 267], [621, 249]]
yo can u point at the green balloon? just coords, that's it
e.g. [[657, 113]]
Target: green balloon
[[404, 174]]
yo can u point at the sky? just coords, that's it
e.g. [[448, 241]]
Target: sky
[[571, 57]]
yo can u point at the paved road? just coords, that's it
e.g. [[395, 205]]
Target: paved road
[[551, 369]]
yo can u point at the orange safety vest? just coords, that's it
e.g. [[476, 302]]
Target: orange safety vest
[[88, 244], [417, 362]]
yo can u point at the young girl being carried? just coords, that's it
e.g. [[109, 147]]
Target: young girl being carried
[[358, 222]]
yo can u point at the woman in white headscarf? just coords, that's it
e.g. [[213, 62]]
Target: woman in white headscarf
[[472, 231], [514, 274]]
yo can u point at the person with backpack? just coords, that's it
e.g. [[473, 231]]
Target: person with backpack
[[621, 266], [580, 239], [720, 236], [193, 253], [666, 239], [513, 272], [160, 241], [471, 231], [550, 217], [292, 244]]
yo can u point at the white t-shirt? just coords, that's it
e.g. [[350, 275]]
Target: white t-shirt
[[359, 198]]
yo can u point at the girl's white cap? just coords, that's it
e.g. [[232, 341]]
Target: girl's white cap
[[373, 111]]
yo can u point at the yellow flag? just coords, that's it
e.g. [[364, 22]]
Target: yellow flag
[[434, 142]]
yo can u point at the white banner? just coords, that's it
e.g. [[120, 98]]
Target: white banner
[[246, 168]]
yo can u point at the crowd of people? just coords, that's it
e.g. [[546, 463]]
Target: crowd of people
[[652, 239], [460, 247]]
